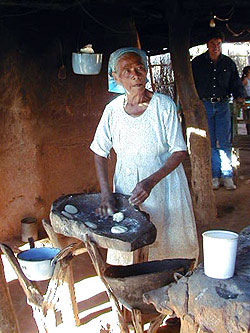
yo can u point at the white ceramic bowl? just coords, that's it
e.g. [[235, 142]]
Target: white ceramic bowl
[[86, 63], [37, 263]]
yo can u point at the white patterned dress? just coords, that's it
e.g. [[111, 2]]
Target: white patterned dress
[[142, 145]]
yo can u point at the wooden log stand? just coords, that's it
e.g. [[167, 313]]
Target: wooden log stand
[[134, 241], [57, 295], [137, 317], [125, 316], [60, 294]]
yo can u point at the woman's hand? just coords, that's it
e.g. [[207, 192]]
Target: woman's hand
[[142, 191], [107, 206]]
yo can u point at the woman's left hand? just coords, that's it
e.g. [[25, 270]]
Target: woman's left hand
[[141, 192]]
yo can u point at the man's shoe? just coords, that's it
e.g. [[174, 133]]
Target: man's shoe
[[215, 183], [228, 184]]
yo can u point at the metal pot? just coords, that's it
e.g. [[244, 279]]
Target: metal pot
[[86, 63], [38, 263]]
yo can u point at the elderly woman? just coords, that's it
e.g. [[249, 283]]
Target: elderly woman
[[143, 129]]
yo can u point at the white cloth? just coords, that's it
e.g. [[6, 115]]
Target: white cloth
[[142, 145]]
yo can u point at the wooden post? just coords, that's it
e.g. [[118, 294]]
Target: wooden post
[[68, 299], [151, 74], [100, 266], [8, 320], [195, 117]]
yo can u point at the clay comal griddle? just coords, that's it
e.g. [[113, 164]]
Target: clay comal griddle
[[139, 230]]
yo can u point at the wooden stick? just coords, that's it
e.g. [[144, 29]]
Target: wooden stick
[[156, 323], [58, 240], [58, 278], [68, 292], [137, 320], [31, 292], [100, 266], [151, 74], [140, 255], [8, 320], [67, 287]]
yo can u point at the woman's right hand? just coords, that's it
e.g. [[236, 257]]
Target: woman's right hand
[[107, 206]]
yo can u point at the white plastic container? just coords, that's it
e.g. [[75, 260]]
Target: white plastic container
[[219, 252], [86, 63]]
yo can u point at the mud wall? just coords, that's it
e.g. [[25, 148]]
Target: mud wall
[[46, 126]]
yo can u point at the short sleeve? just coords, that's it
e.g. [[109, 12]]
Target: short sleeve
[[173, 130], [102, 142]]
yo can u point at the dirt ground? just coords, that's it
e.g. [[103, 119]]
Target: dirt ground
[[94, 307]]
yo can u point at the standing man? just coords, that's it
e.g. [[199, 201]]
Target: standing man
[[216, 78]]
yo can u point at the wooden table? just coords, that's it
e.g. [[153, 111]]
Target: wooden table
[[143, 233]]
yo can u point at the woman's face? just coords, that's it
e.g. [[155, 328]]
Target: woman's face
[[131, 73]]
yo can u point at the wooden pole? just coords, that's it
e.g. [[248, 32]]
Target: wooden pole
[[68, 299], [195, 118], [151, 74], [8, 320]]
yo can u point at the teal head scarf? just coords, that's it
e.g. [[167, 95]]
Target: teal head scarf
[[113, 59]]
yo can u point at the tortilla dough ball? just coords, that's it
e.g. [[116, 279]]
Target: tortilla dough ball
[[118, 217]]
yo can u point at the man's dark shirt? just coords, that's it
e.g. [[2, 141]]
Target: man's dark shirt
[[220, 79]]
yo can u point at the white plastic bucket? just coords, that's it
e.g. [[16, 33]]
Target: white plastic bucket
[[219, 252]]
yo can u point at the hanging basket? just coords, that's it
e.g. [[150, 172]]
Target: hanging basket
[[86, 63]]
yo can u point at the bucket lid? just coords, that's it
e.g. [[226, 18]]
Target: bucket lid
[[221, 234]]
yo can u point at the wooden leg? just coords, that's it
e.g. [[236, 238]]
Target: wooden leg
[[156, 323], [69, 309], [137, 320], [100, 266], [32, 293], [140, 255], [189, 326], [68, 306], [8, 320], [57, 240], [45, 324], [39, 318]]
